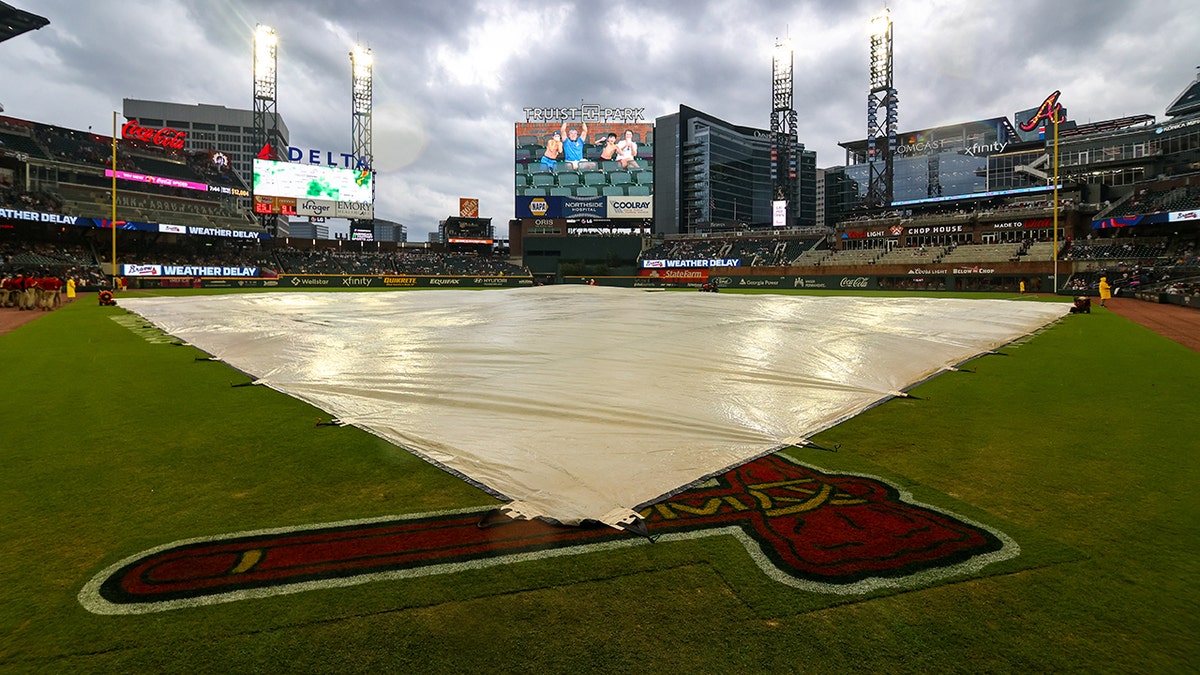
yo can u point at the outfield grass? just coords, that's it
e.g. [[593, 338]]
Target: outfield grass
[[1080, 444]]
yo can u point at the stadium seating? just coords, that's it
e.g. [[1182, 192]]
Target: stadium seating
[[638, 190], [568, 178], [543, 179], [613, 191], [910, 255], [978, 253], [594, 178], [587, 191], [619, 178]]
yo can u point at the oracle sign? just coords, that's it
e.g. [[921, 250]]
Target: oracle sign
[[166, 136]]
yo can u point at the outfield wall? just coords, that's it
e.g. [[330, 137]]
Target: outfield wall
[[329, 281]]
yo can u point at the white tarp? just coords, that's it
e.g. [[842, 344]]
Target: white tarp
[[580, 402]]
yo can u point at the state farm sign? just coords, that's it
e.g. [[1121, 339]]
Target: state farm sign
[[166, 136]]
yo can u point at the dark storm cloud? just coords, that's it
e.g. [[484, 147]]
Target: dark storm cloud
[[451, 78]]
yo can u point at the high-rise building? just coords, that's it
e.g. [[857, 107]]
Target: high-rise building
[[229, 131], [712, 174]]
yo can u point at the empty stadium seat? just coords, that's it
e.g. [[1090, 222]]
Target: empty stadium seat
[[643, 177], [535, 192], [568, 178], [638, 190], [560, 191], [619, 178], [587, 191], [594, 178], [543, 179], [614, 190]]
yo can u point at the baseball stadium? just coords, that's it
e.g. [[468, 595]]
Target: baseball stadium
[[925, 413]]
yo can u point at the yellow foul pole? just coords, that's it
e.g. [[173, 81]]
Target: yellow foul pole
[[1055, 226], [113, 222]]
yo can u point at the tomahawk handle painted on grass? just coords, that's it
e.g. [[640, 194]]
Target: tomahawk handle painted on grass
[[831, 530]]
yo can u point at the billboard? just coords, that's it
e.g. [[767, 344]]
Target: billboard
[[583, 161], [312, 190]]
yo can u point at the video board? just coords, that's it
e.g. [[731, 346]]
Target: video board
[[311, 190], [469, 231], [597, 169]]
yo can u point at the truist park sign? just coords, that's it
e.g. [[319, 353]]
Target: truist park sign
[[587, 112]]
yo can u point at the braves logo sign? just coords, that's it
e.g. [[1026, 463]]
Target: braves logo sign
[[827, 533], [1050, 110]]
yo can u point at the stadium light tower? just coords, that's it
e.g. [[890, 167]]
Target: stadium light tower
[[881, 95], [361, 64], [266, 118], [783, 129]]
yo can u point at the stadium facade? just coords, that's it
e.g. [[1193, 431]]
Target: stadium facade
[[715, 175]]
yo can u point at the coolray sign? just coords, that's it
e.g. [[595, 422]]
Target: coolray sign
[[588, 112], [630, 207], [697, 262], [165, 137]]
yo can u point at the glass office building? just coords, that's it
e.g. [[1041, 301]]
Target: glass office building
[[713, 175]]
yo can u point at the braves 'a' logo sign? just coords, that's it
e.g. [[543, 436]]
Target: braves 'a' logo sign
[[829, 533], [1050, 110]]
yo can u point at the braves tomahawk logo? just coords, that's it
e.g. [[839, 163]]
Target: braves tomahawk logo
[[827, 533]]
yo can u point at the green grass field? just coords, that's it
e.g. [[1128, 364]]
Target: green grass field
[[1080, 444]]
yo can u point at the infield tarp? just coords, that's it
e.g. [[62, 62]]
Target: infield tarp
[[582, 402]]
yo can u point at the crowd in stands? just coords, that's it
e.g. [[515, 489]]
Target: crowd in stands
[[26, 200], [82, 264]]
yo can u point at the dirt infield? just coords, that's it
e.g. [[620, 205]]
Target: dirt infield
[[12, 318], [1180, 324]]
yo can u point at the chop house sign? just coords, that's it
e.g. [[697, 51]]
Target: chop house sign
[[166, 136]]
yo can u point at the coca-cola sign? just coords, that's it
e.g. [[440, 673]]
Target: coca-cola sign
[[854, 282], [166, 136]]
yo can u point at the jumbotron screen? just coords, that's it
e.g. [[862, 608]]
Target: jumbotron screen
[[469, 231], [312, 190], [577, 170]]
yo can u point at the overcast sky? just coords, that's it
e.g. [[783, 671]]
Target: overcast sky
[[452, 77]]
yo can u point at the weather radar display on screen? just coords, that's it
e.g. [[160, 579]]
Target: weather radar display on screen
[[312, 190]]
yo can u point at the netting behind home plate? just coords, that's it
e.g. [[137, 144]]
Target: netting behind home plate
[[580, 402]]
